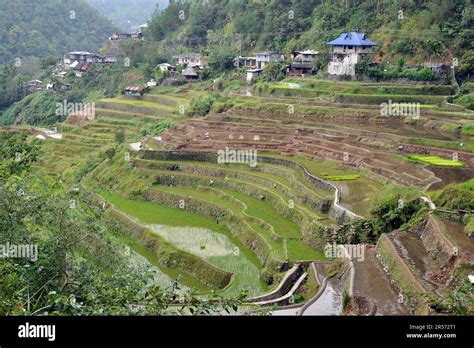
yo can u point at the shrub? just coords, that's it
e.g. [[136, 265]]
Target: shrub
[[110, 153], [201, 106], [466, 101], [120, 136]]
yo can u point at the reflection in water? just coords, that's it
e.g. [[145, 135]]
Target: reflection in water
[[330, 301]]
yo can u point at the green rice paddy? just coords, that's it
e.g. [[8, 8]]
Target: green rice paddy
[[189, 232], [436, 160]]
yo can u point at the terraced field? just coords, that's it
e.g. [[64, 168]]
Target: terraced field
[[354, 135], [229, 227]]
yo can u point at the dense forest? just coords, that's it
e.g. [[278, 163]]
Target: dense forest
[[35, 34], [49, 27], [127, 15]]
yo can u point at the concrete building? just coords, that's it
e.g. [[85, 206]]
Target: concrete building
[[348, 50], [263, 58], [193, 60]]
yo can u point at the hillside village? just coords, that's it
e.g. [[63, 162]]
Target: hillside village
[[346, 51]]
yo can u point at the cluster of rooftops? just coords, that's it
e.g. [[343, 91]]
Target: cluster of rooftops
[[302, 62], [346, 51]]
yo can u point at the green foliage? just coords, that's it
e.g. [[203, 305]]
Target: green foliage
[[120, 136], [419, 74], [457, 196], [387, 216], [346, 177], [78, 270], [466, 64], [201, 106], [40, 108], [436, 160], [221, 59], [362, 67], [466, 101], [16, 154], [110, 153], [433, 31], [459, 299], [26, 28], [12, 85], [155, 129], [273, 71]]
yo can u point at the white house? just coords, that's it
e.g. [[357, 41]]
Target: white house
[[166, 67], [193, 60], [263, 58], [253, 73]]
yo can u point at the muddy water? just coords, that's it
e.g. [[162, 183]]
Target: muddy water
[[355, 197], [330, 302], [418, 259], [286, 312], [371, 282], [455, 231], [450, 176]]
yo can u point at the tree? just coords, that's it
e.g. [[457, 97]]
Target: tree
[[16, 154], [120, 136], [466, 66], [221, 59]]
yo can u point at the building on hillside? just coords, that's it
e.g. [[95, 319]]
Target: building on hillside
[[143, 29], [120, 36], [245, 62], [63, 86], [167, 67], [263, 58], [152, 83], [74, 60], [436, 67], [193, 60], [304, 56], [348, 50], [190, 74], [253, 73], [80, 56], [302, 63], [135, 91], [108, 59], [35, 85], [137, 35], [81, 69], [58, 86]]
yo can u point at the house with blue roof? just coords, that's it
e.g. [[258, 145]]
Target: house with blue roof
[[348, 50]]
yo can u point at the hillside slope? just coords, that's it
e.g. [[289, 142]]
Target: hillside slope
[[418, 30], [49, 27]]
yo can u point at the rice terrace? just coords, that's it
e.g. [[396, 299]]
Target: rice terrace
[[271, 178]]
